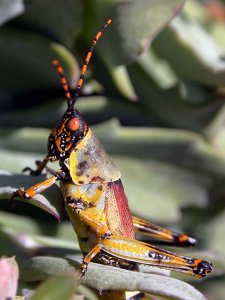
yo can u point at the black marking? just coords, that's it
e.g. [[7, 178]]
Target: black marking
[[97, 179], [70, 200], [65, 139], [76, 203], [139, 296], [61, 175], [81, 168], [190, 261], [157, 256], [203, 268], [189, 242], [100, 188], [84, 239], [87, 59], [113, 261]]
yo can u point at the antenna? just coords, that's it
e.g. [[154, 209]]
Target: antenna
[[86, 61], [83, 70], [63, 79]]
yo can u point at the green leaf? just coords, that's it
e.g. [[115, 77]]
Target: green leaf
[[215, 231], [108, 278], [60, 22], [171, 106], [45, 114], [41, 268], [215, 132], [161, 189], [18, 224], [214, 289], [131, 38], [150, 18], [10, 9], [9, 246], [24, 235], [87, 293], [16, 161], [193, 54], [58, 288], [26, 140], [22, 50], [95, 109], [122, 80]]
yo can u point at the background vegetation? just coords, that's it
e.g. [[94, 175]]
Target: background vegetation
[[154, 95]]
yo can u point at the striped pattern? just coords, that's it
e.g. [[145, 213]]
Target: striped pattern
[[63, 79], [149, 229], [87, 59], [59, 68]]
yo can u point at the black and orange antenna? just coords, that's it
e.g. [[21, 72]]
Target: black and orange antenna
[[86, 61], [63, 79], [59, 68]]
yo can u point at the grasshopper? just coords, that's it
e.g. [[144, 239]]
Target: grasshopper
[[95, 200]]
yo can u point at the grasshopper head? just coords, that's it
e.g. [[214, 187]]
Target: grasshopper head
[[72, 128], [66, 135]]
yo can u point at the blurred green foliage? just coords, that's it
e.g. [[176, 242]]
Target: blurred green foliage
[[154, 95]]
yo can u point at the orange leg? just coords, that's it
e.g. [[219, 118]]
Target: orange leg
[[133, 250], [80, 207], [34, 190], [87, 259], [152, 230], [143, 253], [100, 228]]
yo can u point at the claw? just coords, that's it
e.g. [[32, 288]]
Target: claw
[[82, 272], [41, 165], [11, 200], [15, 194], [18, 193], [203, 268]]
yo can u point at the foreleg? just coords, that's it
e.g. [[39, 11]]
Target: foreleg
[[41, 165], [37, 188]]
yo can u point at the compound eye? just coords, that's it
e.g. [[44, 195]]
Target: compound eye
[[73, 124]]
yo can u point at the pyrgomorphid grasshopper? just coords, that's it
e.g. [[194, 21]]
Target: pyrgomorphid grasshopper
[[95, 200]]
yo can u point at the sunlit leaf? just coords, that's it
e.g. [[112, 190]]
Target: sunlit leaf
[[130, 38], [192, 52], [10, 9], [109, 278]]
